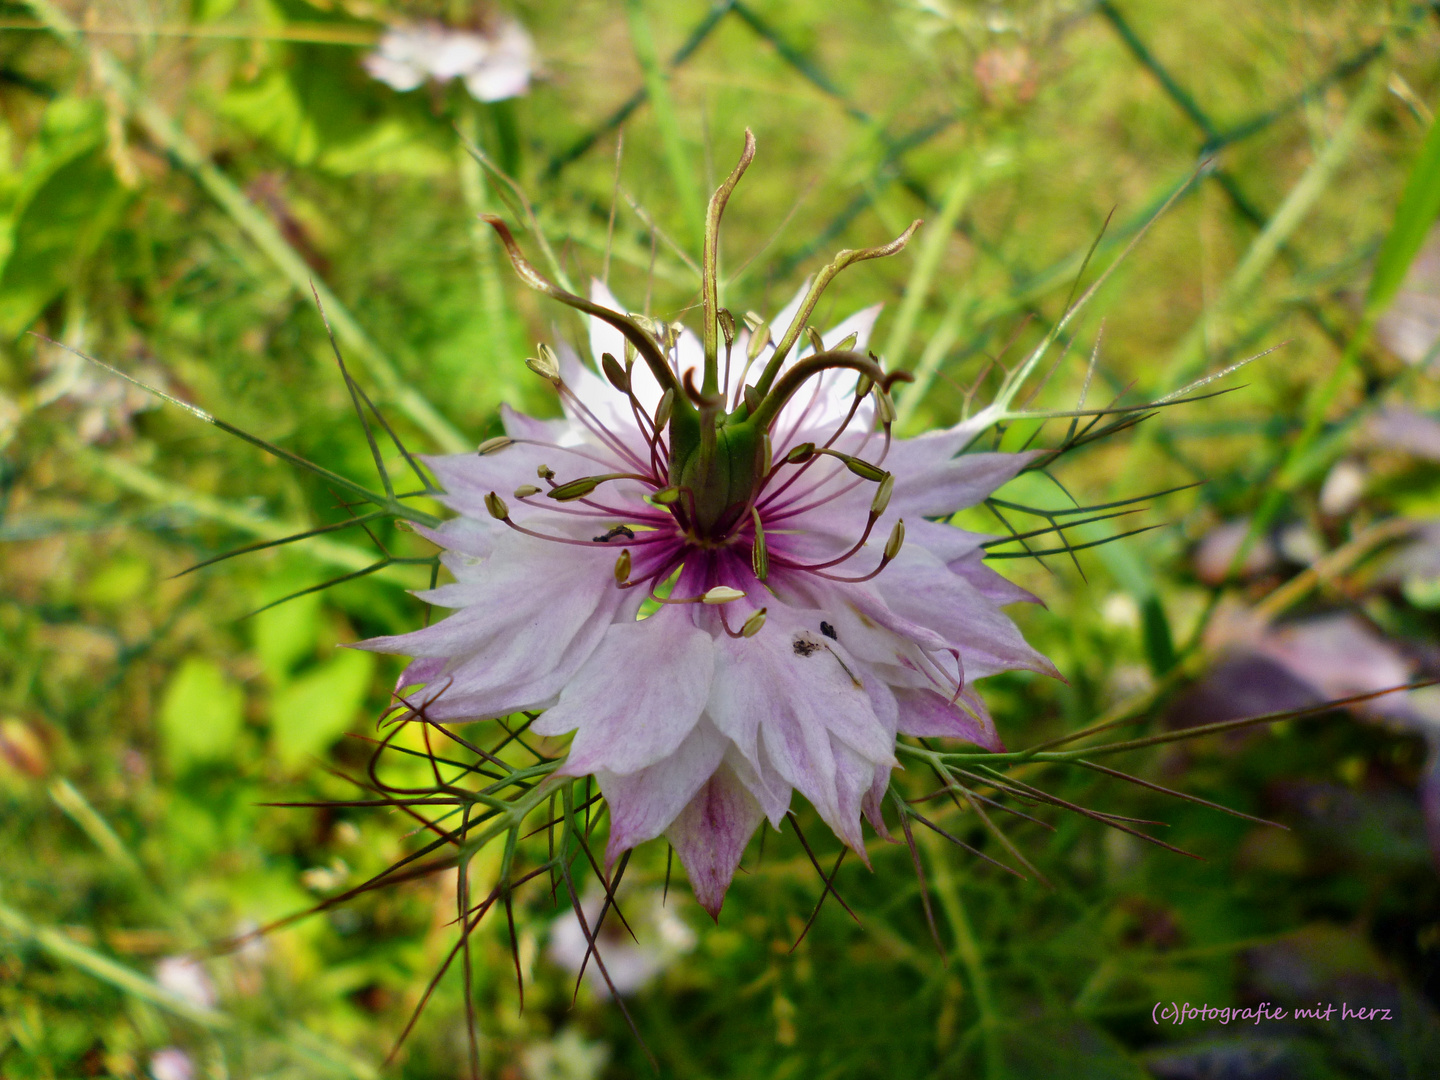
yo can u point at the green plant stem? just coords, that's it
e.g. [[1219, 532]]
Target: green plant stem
[[498, 318], [1190, 358], [657, 87], [967, 947], [922, 275], [71, 952], [296, 1040], [160, 127]]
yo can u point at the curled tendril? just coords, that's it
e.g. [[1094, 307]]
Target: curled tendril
[[811, 366]]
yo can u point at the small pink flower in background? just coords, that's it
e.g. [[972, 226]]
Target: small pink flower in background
[[1298, 664], [185, 978], [171, 1063], [495, 62], [1410, 328], [661, 938], [814, 610]]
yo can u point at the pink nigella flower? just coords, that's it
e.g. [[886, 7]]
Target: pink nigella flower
[[729, 593]]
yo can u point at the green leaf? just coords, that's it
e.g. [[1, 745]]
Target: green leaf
[[200, 714], [286, 634], [322, 111], [1054, 1046], [270, 110], [1159, 643], [64, 203], [311, 712], [1419, 206]]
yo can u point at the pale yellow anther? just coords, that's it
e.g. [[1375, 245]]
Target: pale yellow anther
[[759, 335], [617, 375], [865, 470], [753, 624], [882, 495], [490, 446], [546, 365], [884, 407], [897, 538], [622, 567], [722, 594], [798, 455], [759, 550], [524, 491], [496, 505], [544, 472], [727, 326]]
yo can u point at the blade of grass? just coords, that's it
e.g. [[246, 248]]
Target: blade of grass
[[143, 482], [922, 276], [1190, 358], [61, 948], [967, 948], [1414, 215], [657, 86]]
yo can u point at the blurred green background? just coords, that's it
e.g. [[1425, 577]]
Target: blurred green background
[[174, 176]]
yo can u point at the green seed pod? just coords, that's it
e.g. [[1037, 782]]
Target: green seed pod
[[847, 344], [496, 505]]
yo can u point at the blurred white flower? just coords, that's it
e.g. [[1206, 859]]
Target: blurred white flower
[[1395, 427], [495, 63], [1216, 552], [661, 938], [568, 1056], [185, 978], [106, 405], [1343, 487], [171, 1063]]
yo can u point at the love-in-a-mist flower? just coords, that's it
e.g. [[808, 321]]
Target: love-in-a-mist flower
[[805, 602]]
